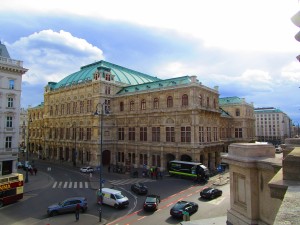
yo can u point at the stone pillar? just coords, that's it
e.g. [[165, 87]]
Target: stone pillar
[[251, 167]]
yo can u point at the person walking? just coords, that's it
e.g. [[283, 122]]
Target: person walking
[[77, 209], [35, 170]]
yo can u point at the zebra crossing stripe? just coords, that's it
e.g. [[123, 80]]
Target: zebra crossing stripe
[[80, 185], [54, 185], [70, 184], [59, 185], [86, 185], [66, 184], [75, 184]]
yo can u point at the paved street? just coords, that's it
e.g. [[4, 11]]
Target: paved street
[[61, 181]]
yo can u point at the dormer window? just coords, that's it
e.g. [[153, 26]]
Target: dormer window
[[107, 77]]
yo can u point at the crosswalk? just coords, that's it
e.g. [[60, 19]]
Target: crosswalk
[[70, 184], [130, 181], [82, 185]]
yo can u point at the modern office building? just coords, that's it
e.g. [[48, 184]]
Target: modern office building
[[272, 125], [11, 72], [134, 119]]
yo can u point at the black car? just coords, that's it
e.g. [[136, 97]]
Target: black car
[[139, 188], [210, 193], [151, 202], [180, 207]]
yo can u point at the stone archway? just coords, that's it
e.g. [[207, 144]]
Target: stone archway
[[169, 157], [106, 157], [186, 158]]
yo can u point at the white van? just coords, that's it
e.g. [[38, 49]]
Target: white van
[[113, 198]]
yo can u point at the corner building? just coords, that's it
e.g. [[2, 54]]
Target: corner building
[[142, 120]]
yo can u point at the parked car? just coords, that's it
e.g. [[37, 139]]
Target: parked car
[[86, 169], [151, 202], [67, 205], [139, 188], [278, 150], [180, 207], [210, 193]]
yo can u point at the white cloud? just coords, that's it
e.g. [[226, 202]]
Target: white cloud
[[232, 24], [291, 72], [50, 55]]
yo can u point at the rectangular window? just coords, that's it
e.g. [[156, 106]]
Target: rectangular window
[[11, 84], [156, 134], [68, 133], [68, 108], [186, 134], [215, 133], [10, 102], [143, 133], [131, 133], [80, 133], [121, 134], [201, 135], [8, 142], [170, 134], [9, 121], [74, 107], [62, 109], [61, 133], [88, 133], [89, 105], [208, 134], [238, 132], [81, 108]]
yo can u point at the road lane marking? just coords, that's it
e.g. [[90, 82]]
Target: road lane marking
[[54, 185]]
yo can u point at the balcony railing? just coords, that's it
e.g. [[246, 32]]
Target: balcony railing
[[9, 61]]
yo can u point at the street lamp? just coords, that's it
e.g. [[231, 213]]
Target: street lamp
[[75, 152], [27, 150], [100, 156]]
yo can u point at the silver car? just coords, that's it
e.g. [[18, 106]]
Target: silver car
[[67, 205]]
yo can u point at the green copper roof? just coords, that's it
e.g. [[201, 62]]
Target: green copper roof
[[267, 110], [122, 74], [156, 85], [231, 100]]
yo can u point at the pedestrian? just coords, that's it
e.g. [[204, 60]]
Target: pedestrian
[[77, 209], [35, 171]]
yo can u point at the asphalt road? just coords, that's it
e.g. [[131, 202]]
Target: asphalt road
[[67, 182]]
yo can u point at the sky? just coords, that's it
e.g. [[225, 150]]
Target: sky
[[247, 48]]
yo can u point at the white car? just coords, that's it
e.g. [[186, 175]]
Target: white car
[[86, 169], [278, 150]]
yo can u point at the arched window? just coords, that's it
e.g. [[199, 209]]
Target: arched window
[[215, 103], [185, 100], [131, 106], [121, 106], [237, 112], [207, 101], [143, 104], [155, 103], [169, 102]]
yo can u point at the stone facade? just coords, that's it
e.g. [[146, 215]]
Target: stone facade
[[146, 124], [11, 72], [252, 166]]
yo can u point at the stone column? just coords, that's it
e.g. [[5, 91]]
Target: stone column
[[251, 167]]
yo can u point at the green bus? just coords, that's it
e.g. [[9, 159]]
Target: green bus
[[188, 169]]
